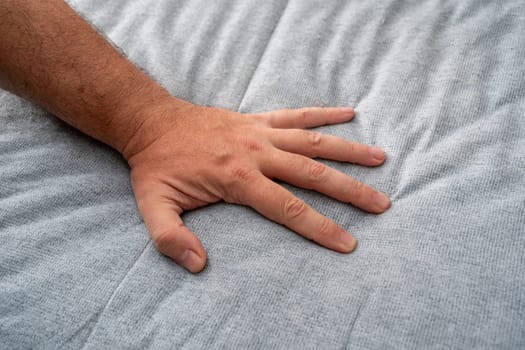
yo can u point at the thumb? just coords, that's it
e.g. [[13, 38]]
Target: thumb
[[168, 232], [179, 243]]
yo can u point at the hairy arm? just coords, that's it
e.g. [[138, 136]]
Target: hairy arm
[[181, 156], [52, 57]]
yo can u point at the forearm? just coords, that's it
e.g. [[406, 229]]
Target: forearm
[[52, 57]]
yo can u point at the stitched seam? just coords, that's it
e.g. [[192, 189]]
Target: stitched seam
[[261, 56], [354, 320], [99, 315]]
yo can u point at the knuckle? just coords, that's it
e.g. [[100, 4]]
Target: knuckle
[[325, 229], [293, 208], [164, 240], [303, 115], [251, 144], [356, 191], [264, 119], [241, 174], [233, 187], [317, 171], [314, 138]]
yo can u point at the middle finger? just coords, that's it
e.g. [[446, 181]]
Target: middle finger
[[304, 172]]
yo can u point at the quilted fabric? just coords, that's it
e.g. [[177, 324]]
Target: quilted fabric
[[440, 85]]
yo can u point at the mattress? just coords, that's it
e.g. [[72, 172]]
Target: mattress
[[440, 85]]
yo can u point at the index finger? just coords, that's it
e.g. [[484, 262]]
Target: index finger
[[278, 204]]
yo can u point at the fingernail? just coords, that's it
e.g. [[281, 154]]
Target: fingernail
[[381, 201], [191, 261], [348, 242], [377, 153], [348, 111]]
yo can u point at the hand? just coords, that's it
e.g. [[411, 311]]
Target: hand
[[187, 157]]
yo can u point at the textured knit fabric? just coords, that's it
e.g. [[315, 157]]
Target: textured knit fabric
[[440, 85]]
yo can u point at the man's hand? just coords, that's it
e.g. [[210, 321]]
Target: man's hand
[[185, 158], [181, 156]]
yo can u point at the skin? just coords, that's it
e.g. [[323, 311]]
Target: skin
[[182, 156]]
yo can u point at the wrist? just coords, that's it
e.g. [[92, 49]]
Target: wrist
[[149, 121]]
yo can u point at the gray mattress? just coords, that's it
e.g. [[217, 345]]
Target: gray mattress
[[440, 85]]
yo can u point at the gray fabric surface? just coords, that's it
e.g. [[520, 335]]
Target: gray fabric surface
[[439, 84]]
